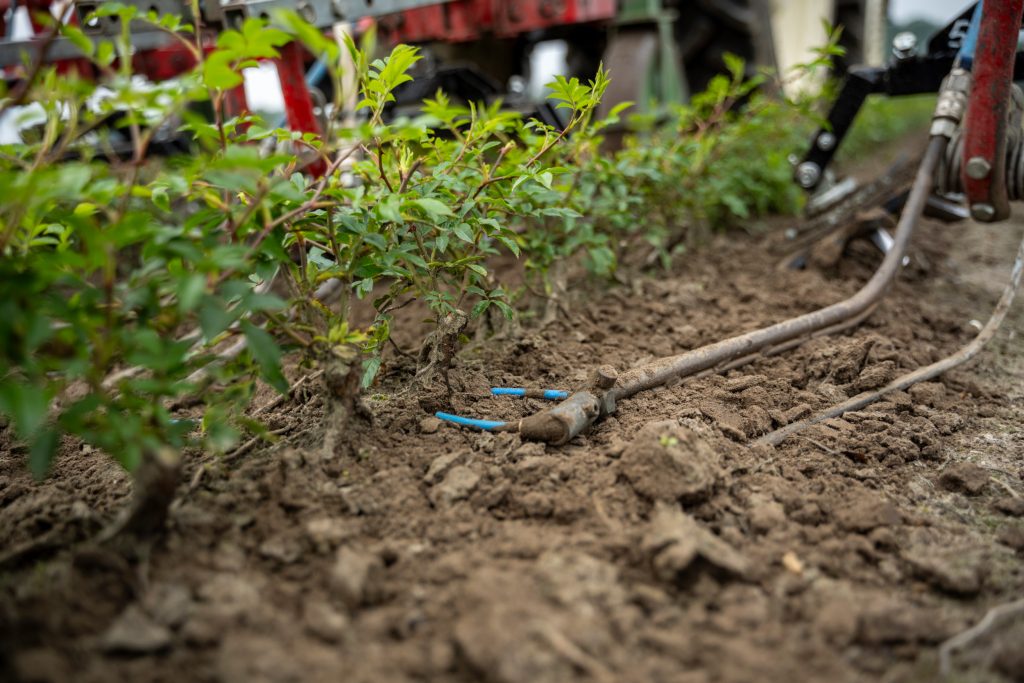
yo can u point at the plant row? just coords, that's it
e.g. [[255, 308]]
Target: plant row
[[132, 283]]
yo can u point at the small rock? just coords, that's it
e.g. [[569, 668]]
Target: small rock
[[792, 563], [325, 622], [440, 466], [457, 485], [866, 511], [355, 576], [133, 632], [1010, 506], [874, 376], [430, 425], [666, 462], [964, 477]]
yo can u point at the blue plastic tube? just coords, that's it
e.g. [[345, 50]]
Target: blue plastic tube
[[469, 421], [547, 394], [965, 57]]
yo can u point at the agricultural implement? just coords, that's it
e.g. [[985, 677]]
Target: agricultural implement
[[975, 149]]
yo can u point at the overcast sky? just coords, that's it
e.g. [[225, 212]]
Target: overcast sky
[[938, 11]]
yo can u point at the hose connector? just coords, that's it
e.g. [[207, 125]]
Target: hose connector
[[952, 103]]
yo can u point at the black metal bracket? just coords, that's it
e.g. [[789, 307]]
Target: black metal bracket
[[911, 75]]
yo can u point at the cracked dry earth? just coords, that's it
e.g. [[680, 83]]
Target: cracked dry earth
[[656, 548]]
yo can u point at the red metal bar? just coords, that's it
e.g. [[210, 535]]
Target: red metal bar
[[298, 104], [235, 102], [464, 20], [984, 159]]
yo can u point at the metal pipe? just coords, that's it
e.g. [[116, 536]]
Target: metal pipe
[[921, 374]]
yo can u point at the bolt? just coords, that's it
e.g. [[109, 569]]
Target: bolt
[[516, 85], [903, 45], [826, 141], [978, 168], [983, 212], [605, 376], [808, 174], [307, 12]]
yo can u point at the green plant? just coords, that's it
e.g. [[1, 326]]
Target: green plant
[[132, 284]]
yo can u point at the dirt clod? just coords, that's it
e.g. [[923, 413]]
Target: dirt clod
[[667, 462], [457, 485], [956, 570], [1010, 505], [865, 511], [355, 576], [675, 542], [430, 425], [964, 477]]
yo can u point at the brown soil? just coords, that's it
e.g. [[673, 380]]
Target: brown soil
[[656, 548]]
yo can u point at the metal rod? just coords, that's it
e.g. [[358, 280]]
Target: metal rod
[[921, 374]]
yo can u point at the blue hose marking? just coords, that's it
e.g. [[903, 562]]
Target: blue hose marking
[[966, 54], [469, 421], [316, 72], [508, 391], [548, 394]]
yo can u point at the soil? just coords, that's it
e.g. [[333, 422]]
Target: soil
[[658, 547]]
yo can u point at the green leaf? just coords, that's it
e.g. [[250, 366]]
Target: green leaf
[[267, 354], [433, 207], [190, 290], [371, 367], [27, 404], [214, 317], [78, 38], [44, 447]]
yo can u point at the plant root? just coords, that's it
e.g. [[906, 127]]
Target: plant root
[[342, 401], [438, 351], [991, 620], [155, 482]]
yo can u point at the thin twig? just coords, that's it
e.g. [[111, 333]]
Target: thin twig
[[247, 446], [990, 620], [291, 392]]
